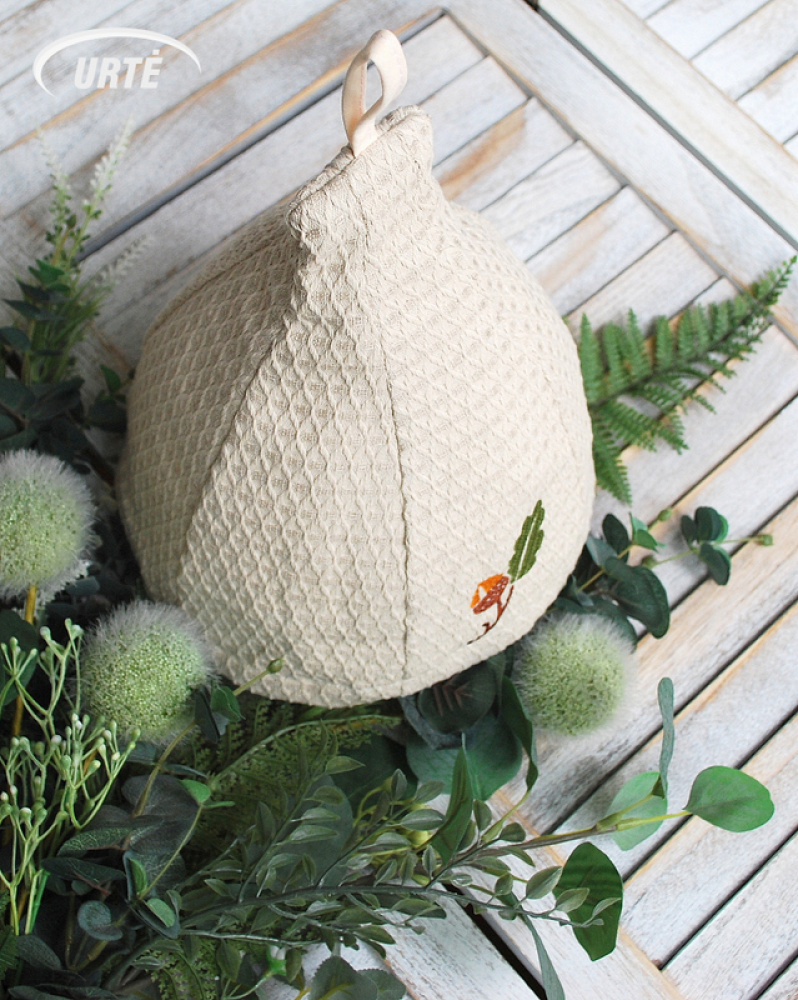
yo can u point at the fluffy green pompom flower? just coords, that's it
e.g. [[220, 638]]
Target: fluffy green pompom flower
[[140, 667], [571, 673], [46, 513]]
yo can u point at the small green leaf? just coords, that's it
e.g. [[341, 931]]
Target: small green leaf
[[633, 791], [32, 950], [730, 799], [688, 528], [543, 882], [162, 910], [13, 337], [710, 525], [641, 595], [665, 700], [591, 869], [96, 920], [642, 536], [458, 703], [197, 790], [615, 533], [717, 561]]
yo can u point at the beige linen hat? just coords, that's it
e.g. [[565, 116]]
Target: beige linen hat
[[359, 439]]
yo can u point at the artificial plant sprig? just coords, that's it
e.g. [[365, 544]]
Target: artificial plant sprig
[[56, 779], [665, 372]]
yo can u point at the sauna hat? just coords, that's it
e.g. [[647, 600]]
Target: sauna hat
[[358, 440]]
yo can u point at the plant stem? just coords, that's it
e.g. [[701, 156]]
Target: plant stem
[[30, 614]]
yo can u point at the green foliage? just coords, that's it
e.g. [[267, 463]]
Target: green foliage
[[41, 406], [590, 872], [637, 388], [730, 799]]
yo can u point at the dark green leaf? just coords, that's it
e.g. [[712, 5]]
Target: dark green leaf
[[96, 920], [13, 337], [35, 952], [717, 561], [458, 814], [518, 722], [337, 980], [79, 868], [225, 703], [210, 724], [710, 525], [108, 415], [12, 625], [112, 380], [641, 595], [458, 703], [100, 837], [599, 550], [15, 396], [688, 527], [615, 533], [162, 910], [388, 986], [730, 799], [423, 819], [591, 869]]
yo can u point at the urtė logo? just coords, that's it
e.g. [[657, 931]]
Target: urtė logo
[[109, 71]]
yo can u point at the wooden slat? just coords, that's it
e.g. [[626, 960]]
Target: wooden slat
[[748, 488], [708, 630], [488, 166], [184, 130], [663, 907], [589, 255], [691, 25], [710, 730], [663, 282], [755, 933], [774, 102], [645, 8], [752, 50], [552, 199], [785, 987], [26, 28], [693, 108], [195, 222]]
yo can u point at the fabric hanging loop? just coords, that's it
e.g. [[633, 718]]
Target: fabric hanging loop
[[385, 51]]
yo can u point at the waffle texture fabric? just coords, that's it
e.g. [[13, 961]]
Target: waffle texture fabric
[[338, 429]]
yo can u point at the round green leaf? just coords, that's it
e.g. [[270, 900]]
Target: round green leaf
[[717, 561], [591, 869], [730, 799], [633, 791]]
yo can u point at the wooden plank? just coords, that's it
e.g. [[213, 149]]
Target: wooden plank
[[752, 50], [693, 108], [785, 987], [661, 283], [755, 933], [258, 62], [275, 81], [489, 165], [553, 199], [691, 25], [660, 911], [585, 258], [764, 383], [452, 958], [645, 8], [27, 27], [710, 730], [748, 488], [708, 630], [774, 102], [194, 223]]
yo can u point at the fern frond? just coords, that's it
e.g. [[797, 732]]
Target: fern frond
[[667, 372]]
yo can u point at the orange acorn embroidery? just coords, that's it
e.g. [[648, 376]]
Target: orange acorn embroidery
[[497, 590]]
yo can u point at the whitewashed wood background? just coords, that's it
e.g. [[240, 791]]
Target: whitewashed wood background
[[634, 155]]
